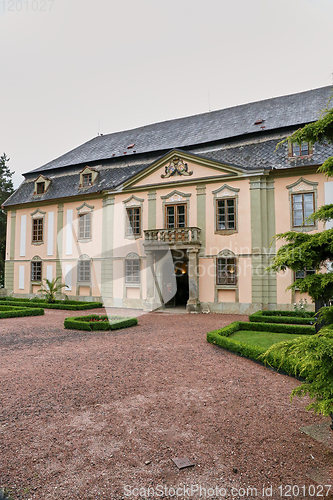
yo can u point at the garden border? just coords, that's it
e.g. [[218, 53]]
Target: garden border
[[85, 323], [283, 317], [19, 312], [220, 338], [66, 305]]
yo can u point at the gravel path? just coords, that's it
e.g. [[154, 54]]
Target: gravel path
[[84, 414]]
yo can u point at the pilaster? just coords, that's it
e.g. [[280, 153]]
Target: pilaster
[[264, 290], [201, 217], [60, 225], [151, 209], [107, 247]]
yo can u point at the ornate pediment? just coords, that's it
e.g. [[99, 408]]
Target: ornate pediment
[[176, 166], [302, 185]]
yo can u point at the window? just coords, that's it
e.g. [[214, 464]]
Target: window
[[37, 230], [226, 271], [40, 187], [175, 216], [302, 207], [300, 150], [84, 271], [226, 214], [36, 270], [132, 271], [302, 273], [86, 180], [133, 223], [84, 226]]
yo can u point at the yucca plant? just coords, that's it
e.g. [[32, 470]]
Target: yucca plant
[[313, 359], [52, 289]]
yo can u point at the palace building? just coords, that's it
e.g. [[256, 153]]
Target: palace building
[[177, 213]]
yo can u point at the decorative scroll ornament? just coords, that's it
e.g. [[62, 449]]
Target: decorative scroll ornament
[[176, 167]]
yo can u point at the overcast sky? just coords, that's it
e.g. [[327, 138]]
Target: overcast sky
[[73, 68]]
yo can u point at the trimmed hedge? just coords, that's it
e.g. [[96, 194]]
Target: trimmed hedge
[[272, 327], [18, 312], [112, 323], [67, 305], [283, 317], [220, 337]]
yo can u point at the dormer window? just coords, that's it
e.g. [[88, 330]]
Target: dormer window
[[87, 180], [40, 187], [302, 149], [87, 177]]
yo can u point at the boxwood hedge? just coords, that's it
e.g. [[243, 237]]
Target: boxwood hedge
[[96, 322], [284, 317], [69, 305], [221, 337], [8, 311]]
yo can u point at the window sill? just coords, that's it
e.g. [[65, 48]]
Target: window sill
[[133, 236], [226, 287], [84, 240], [225, 231], [133, 285], [300, 157], [36, 282], [37, 242], [302, 229]]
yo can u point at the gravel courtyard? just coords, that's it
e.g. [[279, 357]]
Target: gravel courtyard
[[82, 415]]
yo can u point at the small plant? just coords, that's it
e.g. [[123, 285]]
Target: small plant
[[301, 307], [52, 289]]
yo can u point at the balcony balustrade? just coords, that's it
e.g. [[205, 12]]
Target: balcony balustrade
[[177, 236]]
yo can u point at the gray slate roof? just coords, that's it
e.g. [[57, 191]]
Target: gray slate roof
[[249, 156], [263, 154], [278, 112]]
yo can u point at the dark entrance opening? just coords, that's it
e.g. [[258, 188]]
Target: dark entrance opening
[[180, 262]]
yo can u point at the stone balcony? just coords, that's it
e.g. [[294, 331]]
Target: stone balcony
[[177, 237]]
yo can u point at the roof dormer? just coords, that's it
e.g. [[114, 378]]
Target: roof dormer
[[41, 185], [87, 177]]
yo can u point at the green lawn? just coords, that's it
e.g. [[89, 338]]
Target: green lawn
[[262, 339]]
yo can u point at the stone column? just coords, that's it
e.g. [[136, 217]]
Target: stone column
[[193, 304], [149, 304]]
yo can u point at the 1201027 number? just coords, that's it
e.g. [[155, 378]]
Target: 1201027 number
[[27, 5], [295, 491]]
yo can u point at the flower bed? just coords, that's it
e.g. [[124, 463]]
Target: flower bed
[[96, 322], [222, 338], [286, 317], [7, 311], [69, 305]]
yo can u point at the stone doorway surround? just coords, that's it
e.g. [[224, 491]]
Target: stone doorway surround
[[159, 242]]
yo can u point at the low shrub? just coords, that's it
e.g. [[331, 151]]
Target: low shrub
[[93, 322], [221, 337], [18, 312], [278, 328], [283, 317], [67, 305]]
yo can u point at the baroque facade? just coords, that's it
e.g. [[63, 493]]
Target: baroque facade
[[178, 213]]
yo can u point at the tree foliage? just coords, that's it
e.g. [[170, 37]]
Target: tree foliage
[[314, 361], [313, 355], [304, 250], [6, 189]]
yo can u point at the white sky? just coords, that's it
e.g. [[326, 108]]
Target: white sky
[[71, 68]]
